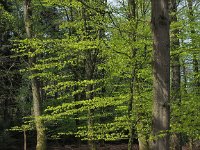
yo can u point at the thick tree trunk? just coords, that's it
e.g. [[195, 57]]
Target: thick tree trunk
[[161, 74], [176, 77], [41, 137], [143, 143]]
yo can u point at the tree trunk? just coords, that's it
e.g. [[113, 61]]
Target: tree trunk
[[25, 140], [130, 112], [176, 77], [184, 77], [143, 143], [41, 137], [89, 70], [195, 61], [161, 74], [131, 15], [76, 99], [90, 62]]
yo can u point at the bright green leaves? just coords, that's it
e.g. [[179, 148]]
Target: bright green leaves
[[62, 3]]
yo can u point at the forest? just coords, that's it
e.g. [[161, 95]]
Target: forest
[[100, 75]]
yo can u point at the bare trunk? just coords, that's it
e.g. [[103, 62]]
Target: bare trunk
[[184, 78], [25, 141], [161, 74], [196, 74], [41, 138], [143, 143]]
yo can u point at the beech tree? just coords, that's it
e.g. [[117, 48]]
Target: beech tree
[[41, 138], [161, 74]]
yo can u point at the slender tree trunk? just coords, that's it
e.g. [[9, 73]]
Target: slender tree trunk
[[143, 144], [184, 78], [142, 136], [195, 61], [41, 138], [89, 69], [176, 77], [76, 99], [161, 74], [90, 62], [25, 141], [130, 112], [131, 16]]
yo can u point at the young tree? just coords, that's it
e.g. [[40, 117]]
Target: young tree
[[161, 74], [176, 77], [191, 18], [41, 137], [132, 18]]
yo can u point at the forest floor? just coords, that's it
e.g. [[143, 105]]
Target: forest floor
[[85, 147], [105, 147], [122, 146]]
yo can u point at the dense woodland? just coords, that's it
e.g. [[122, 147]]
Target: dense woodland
[[100, 72]]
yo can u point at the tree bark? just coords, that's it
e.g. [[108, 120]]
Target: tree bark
[[161, 74], [25, 140], [41, 137]]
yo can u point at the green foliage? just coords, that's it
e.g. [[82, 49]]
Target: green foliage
[[69, 36]]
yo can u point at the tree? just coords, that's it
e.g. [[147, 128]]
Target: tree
[[41, 138], [195, 55], [191, 18], [134, 15], [133, 19], [176, 77], [161, 74]]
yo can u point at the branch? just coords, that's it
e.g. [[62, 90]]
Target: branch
[[93, 8]]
